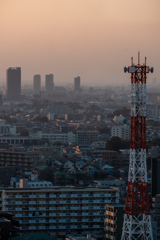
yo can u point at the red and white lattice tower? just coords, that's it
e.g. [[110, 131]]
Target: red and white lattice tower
[[137, 220]]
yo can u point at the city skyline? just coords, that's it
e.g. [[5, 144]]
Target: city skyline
[[92, 39]]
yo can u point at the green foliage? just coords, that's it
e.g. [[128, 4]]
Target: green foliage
[[74, 105], [117, 143], [152, 123], [153, 142], [117, 174], [41, 119], [96, 175], [124, 112], [24, 132], [11, 120]]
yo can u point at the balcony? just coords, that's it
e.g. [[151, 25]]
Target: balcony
[[17, 196], [62, 214], [42, 196], [74, 202], [52, 214], [84, 226], [62, 202], [52, 196], [31, 228], [32, 221], [31, 209], [42, 227], [42, 221], [52, 227], [32, 202], [52, 208], [18, 209], [42, 208], [62, 195], [52, 202], [42, 202]]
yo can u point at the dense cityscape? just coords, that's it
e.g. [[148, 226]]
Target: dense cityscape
[[79, 120], [64, 158]]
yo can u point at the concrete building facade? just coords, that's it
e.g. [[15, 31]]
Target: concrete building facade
[[36, 84], [6, 129], [13, 83], [113, 222], [87, 137], [59, 209], [49, 84], [77, 83], [122, 132], [26, 160], [60, 137]]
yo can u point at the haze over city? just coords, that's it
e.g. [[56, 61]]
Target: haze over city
[[93, 38]]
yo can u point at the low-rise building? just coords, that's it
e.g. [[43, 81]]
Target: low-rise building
[[16, 139], [61, 137], [6, 129]]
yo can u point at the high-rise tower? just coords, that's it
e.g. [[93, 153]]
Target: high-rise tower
[[137, 220], [13, 83], [36, 84], [49, 84], [77, 83]]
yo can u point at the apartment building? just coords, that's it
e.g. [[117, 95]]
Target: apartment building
[[153, 112], [59, 209], [16, 139], [60, 137], [26, 160], [86, 138], [113, 222], [36, 84], [6, 129], [13, 83], [122, 132], [110, 157]]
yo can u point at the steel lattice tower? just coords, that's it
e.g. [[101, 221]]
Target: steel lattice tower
[[137, 220]]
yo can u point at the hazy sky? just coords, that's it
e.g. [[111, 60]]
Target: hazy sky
[[94, 39]]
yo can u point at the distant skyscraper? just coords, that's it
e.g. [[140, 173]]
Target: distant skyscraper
[[13, 83], [36, 84], [49, 84], [77, 83]]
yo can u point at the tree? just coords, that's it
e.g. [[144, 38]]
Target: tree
[[96, 175], [24, 132], [124, 111], [117, 143], [117, 174]]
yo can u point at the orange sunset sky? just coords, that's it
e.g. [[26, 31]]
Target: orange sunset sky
[[94, 39]]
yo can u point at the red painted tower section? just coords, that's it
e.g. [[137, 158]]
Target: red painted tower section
[[137, 221]]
